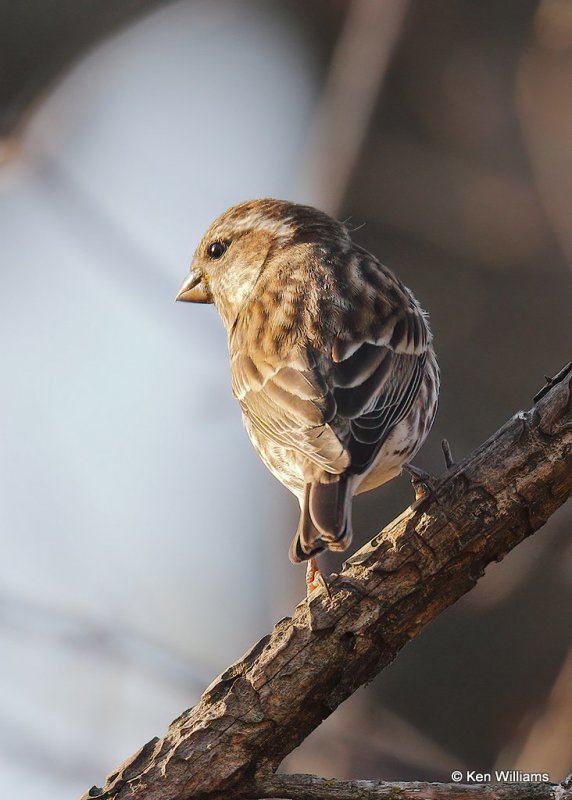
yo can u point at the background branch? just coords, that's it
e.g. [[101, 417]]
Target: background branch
[[266, 703], [311, 787]]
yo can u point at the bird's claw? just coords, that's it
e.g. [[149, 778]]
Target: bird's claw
[[315, 579], [421, 482]]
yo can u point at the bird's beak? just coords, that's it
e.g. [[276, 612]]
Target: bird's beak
[[194, 290]]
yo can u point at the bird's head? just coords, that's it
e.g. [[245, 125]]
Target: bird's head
[[238, 246]]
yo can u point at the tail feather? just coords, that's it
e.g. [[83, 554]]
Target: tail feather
[[325, 521]]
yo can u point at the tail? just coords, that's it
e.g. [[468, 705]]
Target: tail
[[325, 521]]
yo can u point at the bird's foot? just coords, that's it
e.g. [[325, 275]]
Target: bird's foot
[[315, 579], [421, 482]]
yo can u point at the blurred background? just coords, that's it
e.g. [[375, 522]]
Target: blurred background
[[144, 546]]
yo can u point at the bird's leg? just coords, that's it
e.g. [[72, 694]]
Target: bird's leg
[[315, 579], [421, 482], [311, 570]]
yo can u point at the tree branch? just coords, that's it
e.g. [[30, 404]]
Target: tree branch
[[310, 787], [266, 703]]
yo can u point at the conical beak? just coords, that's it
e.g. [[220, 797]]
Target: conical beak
[[193, 290]]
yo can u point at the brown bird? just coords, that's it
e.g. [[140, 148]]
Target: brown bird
[[331, 357]]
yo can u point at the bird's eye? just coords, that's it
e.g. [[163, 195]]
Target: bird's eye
[[217, 249]]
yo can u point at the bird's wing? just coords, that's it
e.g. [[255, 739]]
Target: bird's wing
[[338, 404], [375, 402], [290, 402], [378, 358]]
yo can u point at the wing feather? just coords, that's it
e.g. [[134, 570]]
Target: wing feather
[[337, 401], [294, 407]]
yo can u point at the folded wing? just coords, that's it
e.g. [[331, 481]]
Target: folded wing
[[336, 406]]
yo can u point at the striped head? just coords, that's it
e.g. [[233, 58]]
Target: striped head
[[242, 242]]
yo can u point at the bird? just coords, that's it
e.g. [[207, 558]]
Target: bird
[[331, 358]]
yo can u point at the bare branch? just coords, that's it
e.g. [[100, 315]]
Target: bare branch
[[266, 703], [310, 787]]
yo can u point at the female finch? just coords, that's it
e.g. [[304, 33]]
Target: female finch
[[330, 354]]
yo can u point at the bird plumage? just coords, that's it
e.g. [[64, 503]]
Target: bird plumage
[[331, 358]]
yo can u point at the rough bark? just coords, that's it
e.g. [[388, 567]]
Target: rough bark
[[310, 787], [266, 703]]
